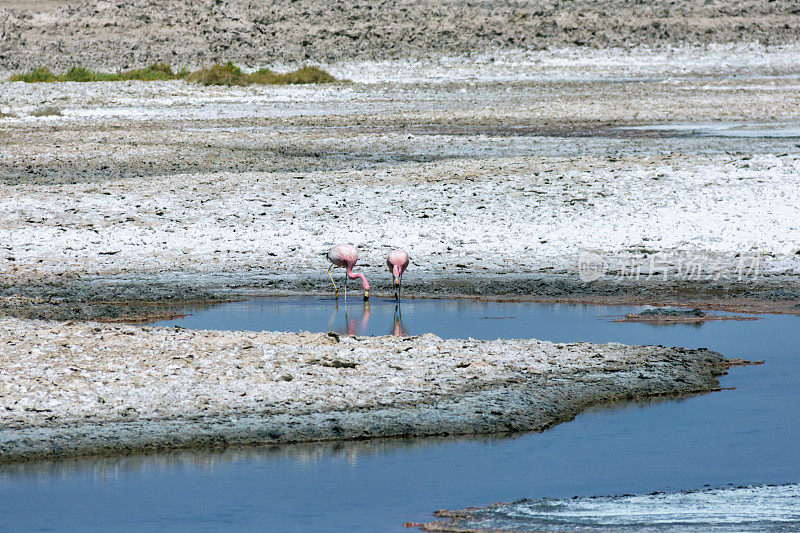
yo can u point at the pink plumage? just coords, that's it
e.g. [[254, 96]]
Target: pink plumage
[[397, 263], [345, 255]]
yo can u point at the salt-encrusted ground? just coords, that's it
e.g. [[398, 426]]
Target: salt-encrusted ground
[[511, 216], [82, 388], [483, 169], [494, 174]]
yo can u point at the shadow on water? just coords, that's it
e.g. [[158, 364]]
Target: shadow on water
[[744, 436]]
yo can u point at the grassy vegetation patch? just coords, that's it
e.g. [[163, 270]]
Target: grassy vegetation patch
[[34, 76], [227, 74], [221, 74], [230, 74], [156, 71], [301, 75], [84, 74]]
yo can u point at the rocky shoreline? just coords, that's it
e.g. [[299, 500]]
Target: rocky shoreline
[[73, 389]]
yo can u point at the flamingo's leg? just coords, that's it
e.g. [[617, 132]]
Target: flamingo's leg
[[345, 288], [335, 288], [399, 287]]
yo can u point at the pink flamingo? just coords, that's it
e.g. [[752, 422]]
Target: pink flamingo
[[397, 263], [345, 255]]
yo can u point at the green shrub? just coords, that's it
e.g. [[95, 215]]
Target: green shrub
[[38, 75], [78, 74], [156, 71], [230, 74], [220, 74], [308, 75], [227, 74], [265, 76]]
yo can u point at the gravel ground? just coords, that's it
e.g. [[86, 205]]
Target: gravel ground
[[73, 389], [126, 34]]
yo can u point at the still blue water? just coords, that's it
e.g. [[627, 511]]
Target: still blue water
[[745, 436]]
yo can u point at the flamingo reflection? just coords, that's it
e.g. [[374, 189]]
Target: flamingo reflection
[[358, 326], [353, 326], [397, 328]]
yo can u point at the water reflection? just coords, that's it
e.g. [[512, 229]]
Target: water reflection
[[447, 318], [355, 325], [211, 459], [352, 324], [397, 328]]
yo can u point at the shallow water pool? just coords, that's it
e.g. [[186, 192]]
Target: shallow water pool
[[445, 317], [744, 436]]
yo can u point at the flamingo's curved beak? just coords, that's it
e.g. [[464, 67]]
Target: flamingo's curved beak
[[397, 281], [366, 295]]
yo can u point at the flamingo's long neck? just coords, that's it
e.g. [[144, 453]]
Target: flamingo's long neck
[[354, 275]]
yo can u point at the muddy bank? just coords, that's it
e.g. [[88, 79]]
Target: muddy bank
[[122, 35], [148, 296], [660, 315], [73, 389]]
